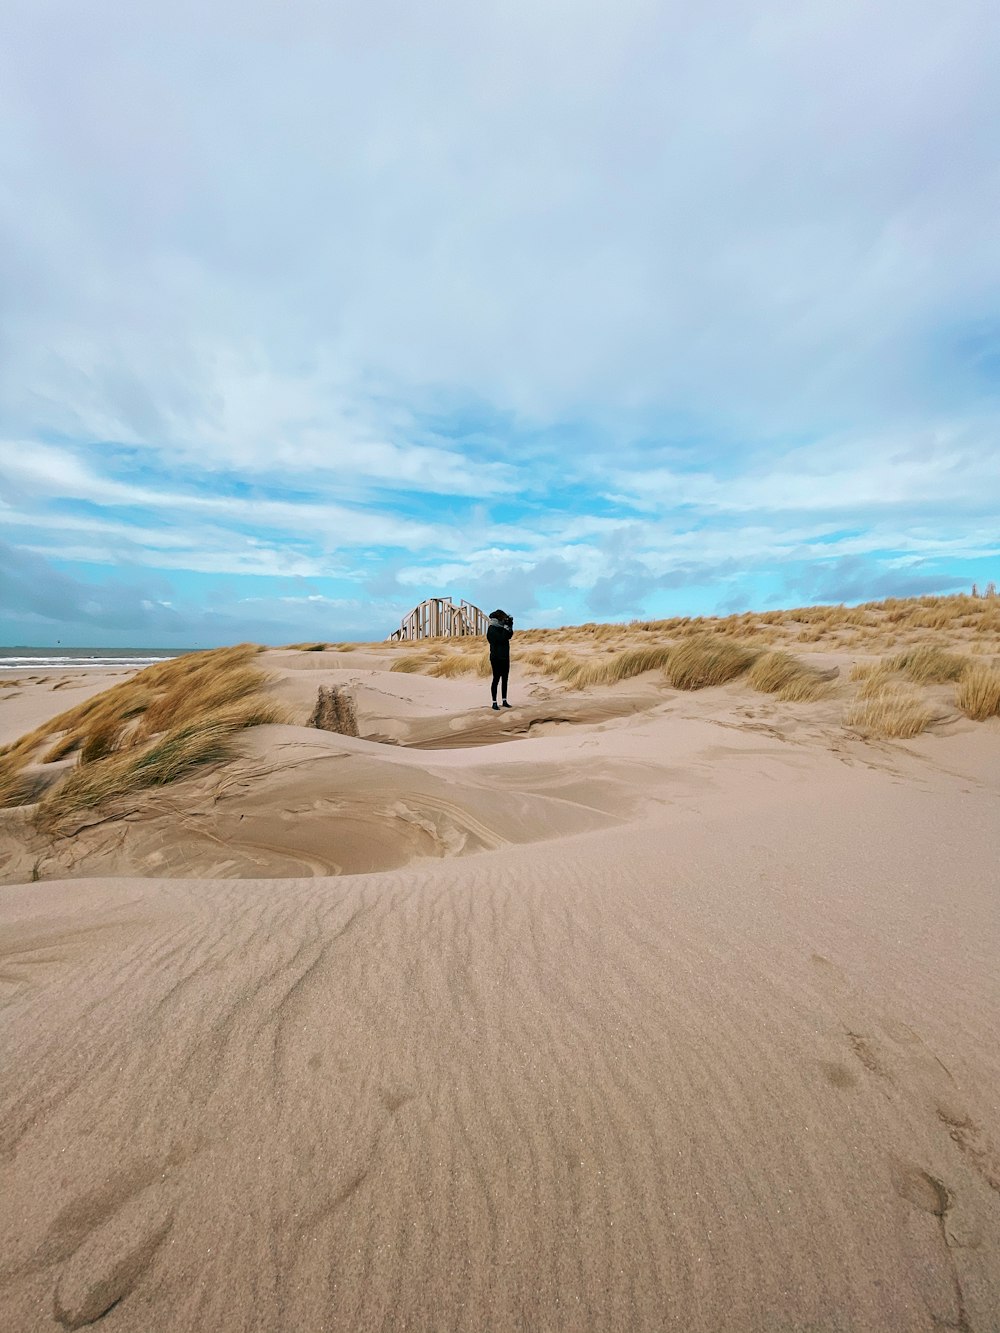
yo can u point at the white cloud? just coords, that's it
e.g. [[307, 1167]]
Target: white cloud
[[665, 285], [230, 227], [928, 464], [36, 473]]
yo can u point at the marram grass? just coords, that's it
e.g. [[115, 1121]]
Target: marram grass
[[929, 665], [894, 712], [176, 754], [781, 674], [121, 733], [706, 660], [978, 693]]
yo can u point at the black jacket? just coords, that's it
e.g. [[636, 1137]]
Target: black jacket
[[498, 637]]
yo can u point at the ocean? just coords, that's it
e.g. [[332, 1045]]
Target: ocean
[[26, 659]]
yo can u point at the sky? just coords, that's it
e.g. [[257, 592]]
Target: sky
[[309, 311]]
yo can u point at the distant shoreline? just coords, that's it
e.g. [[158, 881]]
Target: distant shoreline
[[28, 658]]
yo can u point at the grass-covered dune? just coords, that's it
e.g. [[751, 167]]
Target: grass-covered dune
[[935, 641], [180, 715], [151, 729]]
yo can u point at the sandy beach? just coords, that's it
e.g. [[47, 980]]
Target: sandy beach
[[634, 1008]]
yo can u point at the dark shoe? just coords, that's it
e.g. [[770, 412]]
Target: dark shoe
[[506, 704], [496, 705]]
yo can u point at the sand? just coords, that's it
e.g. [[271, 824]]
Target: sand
[[26, 700], [625, 1010]]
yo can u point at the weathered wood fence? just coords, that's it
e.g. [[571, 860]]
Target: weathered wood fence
[[440, 617]]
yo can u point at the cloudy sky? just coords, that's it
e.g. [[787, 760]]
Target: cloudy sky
[[309, 310]]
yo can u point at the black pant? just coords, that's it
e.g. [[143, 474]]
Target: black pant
[[500, 674]]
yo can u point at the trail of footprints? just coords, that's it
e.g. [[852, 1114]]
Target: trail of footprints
[[896, 1058], [891, 1051], [107, 1241]]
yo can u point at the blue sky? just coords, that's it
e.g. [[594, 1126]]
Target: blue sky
[[311, 310]]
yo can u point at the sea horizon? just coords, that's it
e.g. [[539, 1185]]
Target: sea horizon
[[34, 657]]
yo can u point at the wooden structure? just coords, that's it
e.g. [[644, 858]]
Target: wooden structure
[[440, 617]]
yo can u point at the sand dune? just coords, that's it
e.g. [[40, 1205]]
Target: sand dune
[[658, 1011]]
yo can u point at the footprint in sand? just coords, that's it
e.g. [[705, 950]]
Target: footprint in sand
[[940, 1280], [392, 1098], [922, 1190], [112, 1259], [870, 1054], [837, 1074], [972, 1142]]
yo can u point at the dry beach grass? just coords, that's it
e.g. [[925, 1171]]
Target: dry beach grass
[[146, 731], [889, 710], [979, 692]]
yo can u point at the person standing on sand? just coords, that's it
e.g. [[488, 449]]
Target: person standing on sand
[[498, 634]]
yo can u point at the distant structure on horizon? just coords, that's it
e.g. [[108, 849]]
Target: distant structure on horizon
[[439, 617]]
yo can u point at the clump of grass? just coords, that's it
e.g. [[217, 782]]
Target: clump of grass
[[165, 697], [774, 671], [705, 660], [468, 662], [258, 710], [876, 681], [479, 664], [634, 661], [176, 754], [200, 692], [124, 700], [893, 712], [807, 687], [196, 665], [334, 711], [930, 665], [411, 663], [307, 647], [455, 664], [862, 670], [783, 675], [978, 693], [63, 747], [577, 672], [128, 699], [102, 741], [15, 788], [535, 658], [614, 667]]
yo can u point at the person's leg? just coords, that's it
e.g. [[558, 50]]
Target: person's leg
[[503, 681], [496, 681]]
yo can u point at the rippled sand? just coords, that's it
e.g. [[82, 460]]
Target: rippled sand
[[660, 1013]]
